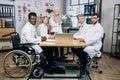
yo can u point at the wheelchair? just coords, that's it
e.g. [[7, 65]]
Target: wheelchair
[[22, 60]]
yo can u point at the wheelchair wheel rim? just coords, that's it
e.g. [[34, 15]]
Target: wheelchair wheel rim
[[21, 67]]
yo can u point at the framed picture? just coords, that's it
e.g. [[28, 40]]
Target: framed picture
[[87, 10], [88, 21], [92, 8], [74, 2]]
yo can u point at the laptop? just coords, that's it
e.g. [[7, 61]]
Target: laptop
[[64, 38]]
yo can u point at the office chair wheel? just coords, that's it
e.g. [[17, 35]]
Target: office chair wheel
[[94, 66], [100, 72], [17, 64]]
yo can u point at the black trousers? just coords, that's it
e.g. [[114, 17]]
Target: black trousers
[[56, 51], [83, 56], [48, 53]]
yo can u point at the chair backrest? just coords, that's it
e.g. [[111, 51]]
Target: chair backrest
[[15, 40], [102, 42]]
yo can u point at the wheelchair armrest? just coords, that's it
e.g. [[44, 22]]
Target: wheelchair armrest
[[25, 44]]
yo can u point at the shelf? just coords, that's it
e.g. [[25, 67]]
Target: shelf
[[5, 47], [117, 18], [6, 16], [115, 43], [116, 55], [5, 31], [116, 32], [6, 38], [7, 25]]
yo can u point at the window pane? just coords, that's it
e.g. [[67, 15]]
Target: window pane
[[83, 1], [91, 0], [73, 2]]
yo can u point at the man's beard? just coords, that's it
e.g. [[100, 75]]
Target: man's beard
[[94, 22]]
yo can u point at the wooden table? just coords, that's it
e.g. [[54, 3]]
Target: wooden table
[[51, 43], [75, 43]]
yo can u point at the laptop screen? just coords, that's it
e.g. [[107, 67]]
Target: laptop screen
[[64, 38]]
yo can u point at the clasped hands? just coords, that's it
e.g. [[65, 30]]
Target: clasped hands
[[44, 38], [51, 36], [80, 39]]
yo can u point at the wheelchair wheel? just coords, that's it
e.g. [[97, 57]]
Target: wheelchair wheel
[[17, 64], [38, 73]]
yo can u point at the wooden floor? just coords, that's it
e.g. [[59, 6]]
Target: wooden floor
[[110, 67]]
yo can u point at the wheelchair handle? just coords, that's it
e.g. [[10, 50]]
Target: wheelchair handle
[[5, 35]]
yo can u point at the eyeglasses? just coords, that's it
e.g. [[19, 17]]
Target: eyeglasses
[[94, 18]]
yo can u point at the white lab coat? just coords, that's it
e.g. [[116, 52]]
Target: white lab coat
[[29, 35], [82, 30], [55, 27], [42, 30], [93, 38]]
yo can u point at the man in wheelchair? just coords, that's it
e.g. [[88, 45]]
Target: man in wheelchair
[[26, 47], [29, 35], [92, 37]]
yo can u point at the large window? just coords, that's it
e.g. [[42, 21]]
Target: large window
[[80, 2], [86, 7], [74, 2]]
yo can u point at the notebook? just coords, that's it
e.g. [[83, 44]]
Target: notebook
[[64, 38]]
